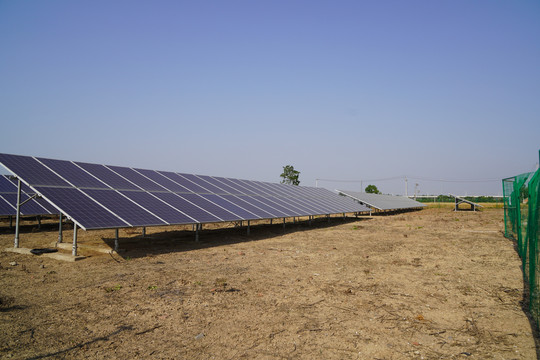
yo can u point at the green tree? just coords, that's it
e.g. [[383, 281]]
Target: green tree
[[372, 189], [290, 176]]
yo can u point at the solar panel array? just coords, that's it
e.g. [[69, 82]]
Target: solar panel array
[[8, 200], [383, 202], [103, 196]]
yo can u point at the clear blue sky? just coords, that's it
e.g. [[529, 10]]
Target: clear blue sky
[[338, 89]]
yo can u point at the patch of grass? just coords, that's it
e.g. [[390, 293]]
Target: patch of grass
[[152, 287], [114, 288], [222, 282]]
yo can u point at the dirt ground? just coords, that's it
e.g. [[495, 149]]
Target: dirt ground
[[431, 284]]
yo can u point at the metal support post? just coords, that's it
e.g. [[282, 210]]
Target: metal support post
[[74, 248], [271, 221], [116, 240], [39, 221], [328, 217], [60, 228], [18, 218], [283, 223], [10, 221], [144, 231], [196, 232], [294, 220], [310, 220], [343, 216], [248, 228]]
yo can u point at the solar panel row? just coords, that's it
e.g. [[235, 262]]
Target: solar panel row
[[102, 196], [383, 202], [8, 200]]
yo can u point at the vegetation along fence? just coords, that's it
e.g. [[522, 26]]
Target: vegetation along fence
[[521, 220]]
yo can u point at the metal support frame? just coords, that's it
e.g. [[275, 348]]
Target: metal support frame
[[328, 217], [144, 231], [10, 221], [248, 227], [74, 248], [38, 218], [18, 218], [116, 240], [310, 220], [283, 223], [196, 232], [60, 228]]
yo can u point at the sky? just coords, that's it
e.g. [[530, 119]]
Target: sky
[[341, 90]]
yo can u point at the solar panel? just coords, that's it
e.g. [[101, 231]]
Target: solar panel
[[107, 176], [81, 209], [137, 179], [196, 212], [155, 206], [163, 180], [73, 173], [8, 200], [103, 196], [29, 168], [383, 202]]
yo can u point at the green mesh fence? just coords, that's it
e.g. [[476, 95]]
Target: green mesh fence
[[521, 221]]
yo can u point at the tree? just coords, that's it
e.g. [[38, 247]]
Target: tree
[[290, 176], [372, 189]]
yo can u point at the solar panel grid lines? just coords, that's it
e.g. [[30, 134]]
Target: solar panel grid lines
[[195, 211], [189, 185], [130, 211], [248, 188], [263, 214], [161, 178], [8, 199], [30, 168], [107, 176], [6, 208], [72, 173], [136, 178], [257, 203], [230, 206], [286, 196], [206, 185], [154, 204], [222, 185], [210, 206], [82, 209], [383, 202]]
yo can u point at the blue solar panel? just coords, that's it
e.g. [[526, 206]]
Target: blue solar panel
[[252, 188], [212, 208], [264, 214], [230, 206], [190, 186], [203, 181], [286, 212], [6, 186], [163, 180], [81, 208], [187, 207], [101, 196], [255, 201], [237, 187], [6, 208], [29, 168], [225, 188], [126, 209], [74, 174], [158, 207], [29, 208], [107, 176], [136, 178]]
